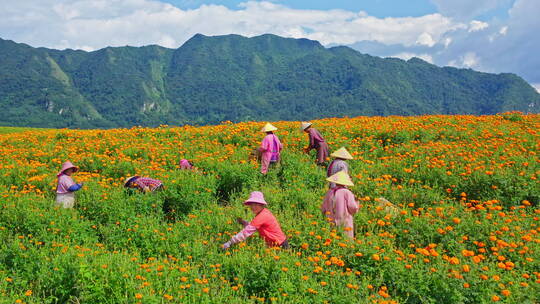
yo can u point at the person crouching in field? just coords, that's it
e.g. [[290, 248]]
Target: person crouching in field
[[144, 184], [316, 141], [66, 188], [264, 222], [186, 165], [339, 163], [270, 148], [339, 204]]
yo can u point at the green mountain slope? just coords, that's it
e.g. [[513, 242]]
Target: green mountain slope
[[212, 79]]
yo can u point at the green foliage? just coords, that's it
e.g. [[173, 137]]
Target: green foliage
[[465, 186]]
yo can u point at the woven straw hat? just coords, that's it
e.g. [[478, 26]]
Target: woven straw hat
[[341, 178], [342, 153], [305, 125], [268, 128], [387, 206]]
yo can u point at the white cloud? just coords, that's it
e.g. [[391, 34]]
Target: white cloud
[[536, 86], [425, 39], [447, 41], [502, 32], [499, 46], [476, 25], [468, 60], [99, 23], [516, 44]]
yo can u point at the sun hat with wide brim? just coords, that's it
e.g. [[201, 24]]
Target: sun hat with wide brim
[[130, 179], [387, 206], [305, 125], [342, 153], [256, 197], [67, 165], [341, 178], [268, 128]]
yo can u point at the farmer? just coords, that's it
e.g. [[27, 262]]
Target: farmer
[[270, 148], [316, 141], [339, 204], [66, 188], [186, 165], [145, 184], [339, 163], [264, 222]]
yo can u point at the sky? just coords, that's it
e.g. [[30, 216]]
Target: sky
[[496, 36]]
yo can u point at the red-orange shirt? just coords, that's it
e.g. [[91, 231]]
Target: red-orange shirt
[[268, 227]]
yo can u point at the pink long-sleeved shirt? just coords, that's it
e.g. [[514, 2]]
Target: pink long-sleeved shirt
[[267, 225], [271, 145], [64, 182], [339, 205]]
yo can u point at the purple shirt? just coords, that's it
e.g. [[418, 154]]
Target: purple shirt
[[271, 147], [64, 182], [185, 165], [315, 138], [146, 182]]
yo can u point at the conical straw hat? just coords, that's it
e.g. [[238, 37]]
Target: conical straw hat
[[268, 128], [305, 125], [342, 153], [341, 178]]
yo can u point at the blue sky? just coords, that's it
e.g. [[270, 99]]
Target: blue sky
[[378, 8], [487, 35]]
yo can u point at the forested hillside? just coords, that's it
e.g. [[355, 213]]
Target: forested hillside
[[213, 79]]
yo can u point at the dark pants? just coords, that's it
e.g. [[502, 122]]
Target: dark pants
[[285, 244], [322, 152]]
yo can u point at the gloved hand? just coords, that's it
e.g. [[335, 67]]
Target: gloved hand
[[242, 222], [226, 246]]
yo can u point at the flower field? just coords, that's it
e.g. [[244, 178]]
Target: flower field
[[467, 230]]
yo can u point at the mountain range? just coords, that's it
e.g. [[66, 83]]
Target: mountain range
[[212, 79]]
